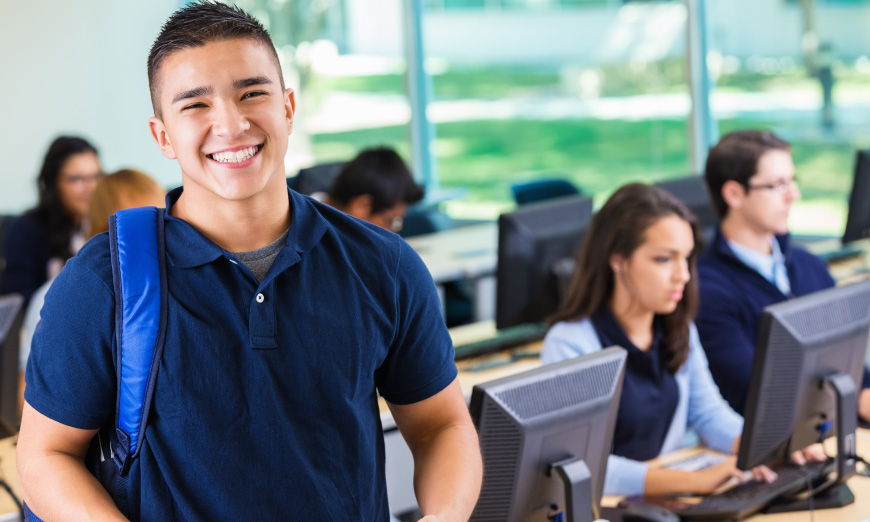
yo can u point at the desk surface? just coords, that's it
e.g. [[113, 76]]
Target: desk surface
[[848, 270], [860, 486], [9, 474], [459, 253]]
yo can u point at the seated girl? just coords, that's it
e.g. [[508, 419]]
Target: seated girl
[[634, 286]]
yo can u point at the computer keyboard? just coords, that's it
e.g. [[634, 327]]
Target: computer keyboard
[[746, 499]]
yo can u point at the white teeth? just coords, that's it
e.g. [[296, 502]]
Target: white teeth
[[236, 156]]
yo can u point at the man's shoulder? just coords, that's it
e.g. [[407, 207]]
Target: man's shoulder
[[94, 257], [712, 269], [800, 256], [348, 232], [721, 284]]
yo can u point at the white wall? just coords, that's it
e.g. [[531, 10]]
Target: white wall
[[76, 67]]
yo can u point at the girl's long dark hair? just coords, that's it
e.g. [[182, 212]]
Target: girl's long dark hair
[[619, 228], [57, 224]]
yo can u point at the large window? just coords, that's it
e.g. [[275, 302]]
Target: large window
[[780, 80], [350, 85], [595, 94], [591, 91]]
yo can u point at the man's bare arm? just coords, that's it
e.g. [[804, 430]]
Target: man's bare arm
[[51, 472], [864, 404], [447, 465]]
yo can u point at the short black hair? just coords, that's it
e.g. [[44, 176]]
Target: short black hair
[[197, 24], [380, 173], [735, 158]]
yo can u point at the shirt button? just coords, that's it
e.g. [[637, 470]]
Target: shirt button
[[261, 298]]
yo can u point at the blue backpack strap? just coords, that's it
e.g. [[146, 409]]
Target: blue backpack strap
[[138, 253], [139, 274]]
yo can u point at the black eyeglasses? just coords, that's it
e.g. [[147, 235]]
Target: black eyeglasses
[[80, 179], [781, 186]]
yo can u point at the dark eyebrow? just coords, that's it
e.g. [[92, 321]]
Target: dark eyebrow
[[192, 93], [249, 82]]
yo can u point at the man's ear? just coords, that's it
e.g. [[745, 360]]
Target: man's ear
[[158, 132], [360, 207], [290, 107], [733, 193]]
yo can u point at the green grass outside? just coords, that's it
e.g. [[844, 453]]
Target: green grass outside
[[486, 157]]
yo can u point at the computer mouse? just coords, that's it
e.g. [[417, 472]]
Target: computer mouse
[[648, 513]]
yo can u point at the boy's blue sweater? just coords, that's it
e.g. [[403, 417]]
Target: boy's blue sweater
[[732, 297]]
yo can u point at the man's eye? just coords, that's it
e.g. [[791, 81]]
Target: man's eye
[[252, 94], [193, 106]]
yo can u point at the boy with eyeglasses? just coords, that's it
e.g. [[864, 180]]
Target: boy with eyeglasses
[[376, 186], [750, 263]]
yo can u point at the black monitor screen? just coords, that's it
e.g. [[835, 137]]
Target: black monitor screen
[[692, 191], [533, 243], [317, 178], [563, 414], [804, 345], [11, 318], [858, 220]]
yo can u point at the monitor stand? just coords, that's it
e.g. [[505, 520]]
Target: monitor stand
[[835, 493], [835, 496], [577, 481]]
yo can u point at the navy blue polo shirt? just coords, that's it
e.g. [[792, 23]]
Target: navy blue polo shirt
[[649, 391], [264, 408]]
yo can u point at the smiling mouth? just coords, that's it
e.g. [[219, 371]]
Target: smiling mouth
[[236, 156]]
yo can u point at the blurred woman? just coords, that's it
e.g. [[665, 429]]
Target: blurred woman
[[38, 244], [124, 189], [634, 287]]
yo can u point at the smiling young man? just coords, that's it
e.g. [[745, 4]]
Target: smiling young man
[[751, 264], [286, 318]]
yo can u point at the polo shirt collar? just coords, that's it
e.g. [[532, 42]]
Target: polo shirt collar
[[307, 224], [307, 227], [722, 249], [611, 333]]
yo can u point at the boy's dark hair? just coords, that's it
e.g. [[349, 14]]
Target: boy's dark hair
[[735, 158], [198, 24], [379, 173]]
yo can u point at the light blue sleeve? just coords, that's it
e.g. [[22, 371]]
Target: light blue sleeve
[[624, 476], [569, 339], [31, 319], [709, 414]]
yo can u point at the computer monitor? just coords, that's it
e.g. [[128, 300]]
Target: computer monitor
[[11, 317], [858, 220], [692, 191], [533, 243], [545, 436], [317, 178], [806, 374]]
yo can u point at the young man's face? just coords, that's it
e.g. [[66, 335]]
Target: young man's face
[[224, 118], [765, 205]]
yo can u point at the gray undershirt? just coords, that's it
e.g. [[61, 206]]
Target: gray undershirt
[[259, 261]]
